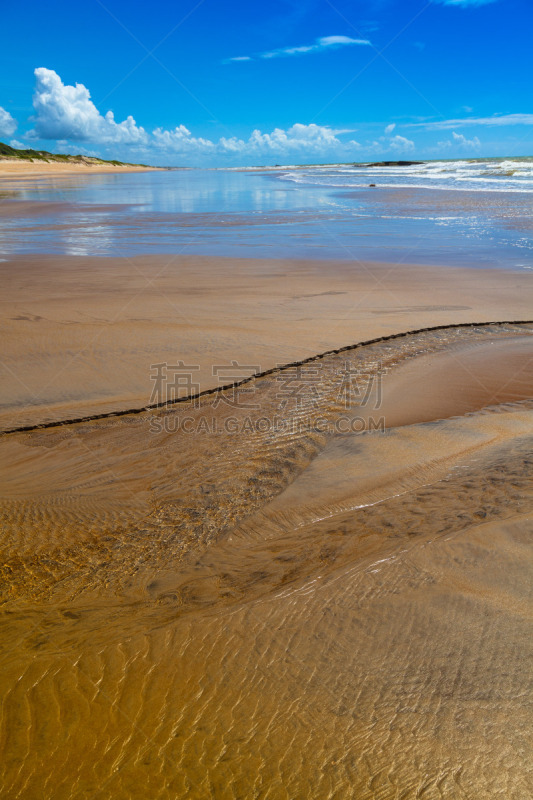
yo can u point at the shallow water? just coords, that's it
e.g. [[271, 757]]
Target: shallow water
[[415, 214], [300, 609]]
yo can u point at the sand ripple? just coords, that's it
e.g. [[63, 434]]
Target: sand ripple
[[277, 614]]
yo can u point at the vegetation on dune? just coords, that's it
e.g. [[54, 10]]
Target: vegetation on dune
[[8, 152]]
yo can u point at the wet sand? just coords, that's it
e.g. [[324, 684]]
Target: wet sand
[[80, 335], [313, 585], [199, 603]]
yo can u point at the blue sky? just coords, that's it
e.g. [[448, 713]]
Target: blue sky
[[293, 81]]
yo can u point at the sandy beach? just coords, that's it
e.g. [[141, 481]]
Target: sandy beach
[[316, 584], [14, 168], [235, 589], [82, 336]]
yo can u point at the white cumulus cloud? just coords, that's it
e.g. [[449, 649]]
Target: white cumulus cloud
[[67, 115], [67, 112], [181, 140], [462, 140], [398, 144], [401, 144], [8, 125], [459, 141], [387, 144], [298, 139]]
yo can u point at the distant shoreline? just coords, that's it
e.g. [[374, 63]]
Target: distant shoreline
[[21, 163], [18, 168]]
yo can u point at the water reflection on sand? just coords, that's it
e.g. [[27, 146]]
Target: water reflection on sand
[[268, 213]]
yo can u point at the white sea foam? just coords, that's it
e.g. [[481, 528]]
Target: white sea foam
[[504, 175]]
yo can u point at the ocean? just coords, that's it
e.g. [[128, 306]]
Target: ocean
[[472, 212]]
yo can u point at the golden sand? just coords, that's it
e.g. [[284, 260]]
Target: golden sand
[[19, 168], [320, 594], [80, 334], [303, 611]]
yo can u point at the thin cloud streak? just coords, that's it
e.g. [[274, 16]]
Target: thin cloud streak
[[321, 44], [495, 121], [464, 3]]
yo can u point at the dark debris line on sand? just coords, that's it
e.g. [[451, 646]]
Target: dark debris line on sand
[[229, 386]]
